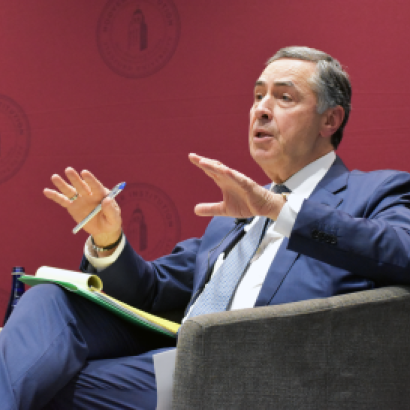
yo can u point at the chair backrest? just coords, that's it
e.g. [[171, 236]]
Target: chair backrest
[[340, 353]]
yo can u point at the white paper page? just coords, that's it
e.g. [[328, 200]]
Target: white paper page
[[164, 366], [81, 280]]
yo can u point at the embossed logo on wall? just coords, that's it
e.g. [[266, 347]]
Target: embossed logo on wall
[[14, 138], [137, 38], [150, 220]]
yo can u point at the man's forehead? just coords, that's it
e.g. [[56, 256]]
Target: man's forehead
[[290, 72]]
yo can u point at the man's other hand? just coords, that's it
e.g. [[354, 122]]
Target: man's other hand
[[105, 227], [242, 197]]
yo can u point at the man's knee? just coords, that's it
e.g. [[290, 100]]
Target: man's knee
[[41, 302], [44, 292], [42, 296]]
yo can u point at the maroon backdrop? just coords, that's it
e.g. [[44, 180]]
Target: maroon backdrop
[[127, 88]]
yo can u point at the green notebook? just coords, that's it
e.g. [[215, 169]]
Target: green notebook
[[90, 287]]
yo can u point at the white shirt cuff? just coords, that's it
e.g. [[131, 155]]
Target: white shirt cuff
[[288, 214], [102, 263]]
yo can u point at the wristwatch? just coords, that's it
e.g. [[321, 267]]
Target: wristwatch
[[105, 248]]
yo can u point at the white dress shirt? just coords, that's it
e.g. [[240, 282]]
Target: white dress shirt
[[302, 185]]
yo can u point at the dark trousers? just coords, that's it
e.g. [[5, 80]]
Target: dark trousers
[[60, 351]]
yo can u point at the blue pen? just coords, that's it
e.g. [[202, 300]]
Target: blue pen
[[113, 193]]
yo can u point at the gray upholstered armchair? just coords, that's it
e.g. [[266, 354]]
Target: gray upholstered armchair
[[345, 352]]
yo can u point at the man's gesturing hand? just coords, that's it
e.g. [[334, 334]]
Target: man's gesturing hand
[[242, 197], [105, 227]]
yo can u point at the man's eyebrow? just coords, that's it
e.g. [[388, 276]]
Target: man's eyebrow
[[284, 84], [276, 83], [259, 83]]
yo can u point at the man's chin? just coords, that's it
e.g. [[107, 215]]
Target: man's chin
[[263, 157]]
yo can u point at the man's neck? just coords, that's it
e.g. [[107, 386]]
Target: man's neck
[[284, 173], [305, 180]]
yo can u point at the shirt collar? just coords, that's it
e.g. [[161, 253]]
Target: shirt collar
[[305, 180]]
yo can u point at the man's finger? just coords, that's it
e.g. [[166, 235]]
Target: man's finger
[[211, 209], [77, 182], [193, 157], [111, 211], [57, 197], [198, 160], [66, 189], [212, 164], [211, 167], [242, 180], [97, 188]]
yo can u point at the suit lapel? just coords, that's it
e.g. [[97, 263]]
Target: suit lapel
[[330, 192]]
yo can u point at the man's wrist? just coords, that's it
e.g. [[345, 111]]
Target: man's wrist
[[102, 260], [105, 244], [108, 247], [105, 240]]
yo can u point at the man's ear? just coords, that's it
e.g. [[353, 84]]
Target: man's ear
[[332, 119]]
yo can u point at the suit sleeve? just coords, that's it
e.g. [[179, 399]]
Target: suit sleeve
[[370, 239], [163, 284]]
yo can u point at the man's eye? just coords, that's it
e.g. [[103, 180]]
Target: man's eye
[[286, 97], [258, 97]]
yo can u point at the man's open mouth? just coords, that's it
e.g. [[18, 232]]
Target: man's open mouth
[[261, 134]]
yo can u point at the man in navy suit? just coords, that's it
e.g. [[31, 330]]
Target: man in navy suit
[[335, 232]]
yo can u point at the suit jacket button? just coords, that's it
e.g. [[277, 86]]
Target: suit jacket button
[[315, 234], [321, 236], [328, 238], [333, 241]]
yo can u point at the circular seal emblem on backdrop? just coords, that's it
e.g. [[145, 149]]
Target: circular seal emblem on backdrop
[[14, 138], [150, 220], [137, 38]]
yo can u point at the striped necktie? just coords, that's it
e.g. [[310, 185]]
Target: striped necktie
[[218, 292]]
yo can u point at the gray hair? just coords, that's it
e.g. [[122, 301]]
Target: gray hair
[[330, 82]]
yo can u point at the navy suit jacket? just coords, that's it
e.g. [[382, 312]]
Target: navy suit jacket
[[353, 233]]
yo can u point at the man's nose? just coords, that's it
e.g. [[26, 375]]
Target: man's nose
[[263, 110]]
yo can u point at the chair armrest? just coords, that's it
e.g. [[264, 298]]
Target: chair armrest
[[343, 352]]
